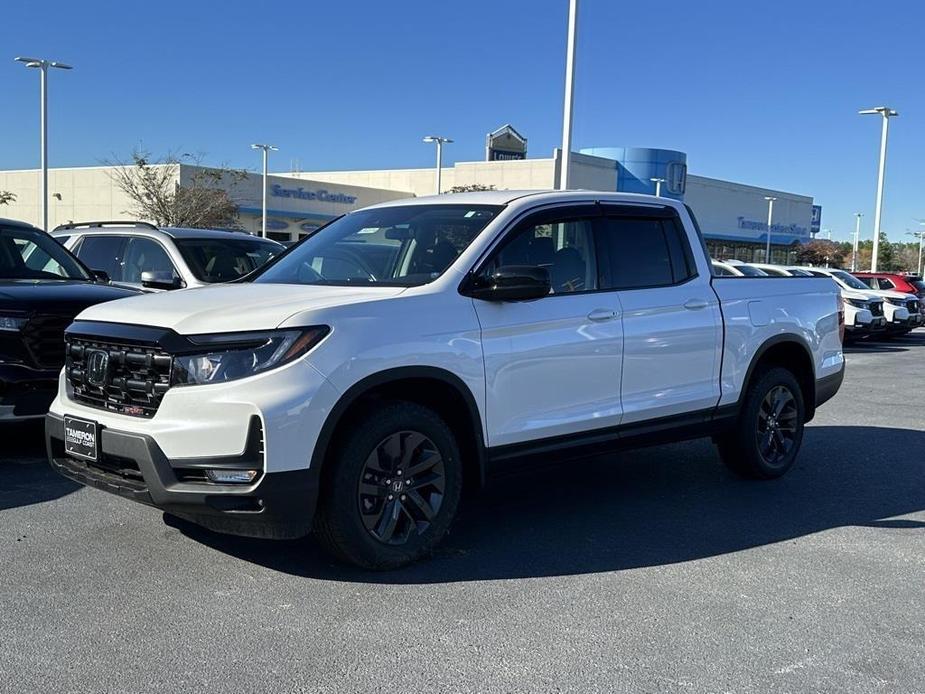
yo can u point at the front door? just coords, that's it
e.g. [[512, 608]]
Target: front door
[[552, 365]]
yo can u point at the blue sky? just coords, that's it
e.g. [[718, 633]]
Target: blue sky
[[761, 93]]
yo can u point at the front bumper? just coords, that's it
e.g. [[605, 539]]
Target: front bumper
[[876, 325], [278, 505], [25, 393]]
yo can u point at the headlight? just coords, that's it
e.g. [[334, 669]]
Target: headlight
[[238, 355], [857, 303], [12, 324]]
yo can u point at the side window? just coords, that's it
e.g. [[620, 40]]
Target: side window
[[886, 284], [641, 252], [145, 255], [103, 253], [564, 247]]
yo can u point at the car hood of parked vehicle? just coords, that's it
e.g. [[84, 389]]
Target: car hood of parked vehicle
[[231, 307], [60, 297], [887, 294]]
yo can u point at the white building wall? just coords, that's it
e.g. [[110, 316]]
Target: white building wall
[[734, 210], [76, 194]]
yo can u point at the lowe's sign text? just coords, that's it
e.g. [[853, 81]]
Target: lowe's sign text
[[278, 191]]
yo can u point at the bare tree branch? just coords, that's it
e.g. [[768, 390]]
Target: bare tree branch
[[156, 192]]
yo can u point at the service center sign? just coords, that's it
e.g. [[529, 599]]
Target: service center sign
[[301, 193]]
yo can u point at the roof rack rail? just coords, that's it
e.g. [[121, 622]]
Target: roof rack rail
[[100, 225]]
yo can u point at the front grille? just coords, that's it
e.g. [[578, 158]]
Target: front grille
[[43, 337], [133, 382], [876, 308], [913, 306]]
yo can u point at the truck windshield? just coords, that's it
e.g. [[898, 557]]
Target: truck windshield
[[223, 260], [402, 246], [30, 254], [849, 280]]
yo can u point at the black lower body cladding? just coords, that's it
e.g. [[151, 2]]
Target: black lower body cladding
[[280, 506]]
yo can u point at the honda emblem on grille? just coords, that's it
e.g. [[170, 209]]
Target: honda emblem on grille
[[97, 367]]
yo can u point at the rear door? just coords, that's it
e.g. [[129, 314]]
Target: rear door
[[672, 324], [552, 365]]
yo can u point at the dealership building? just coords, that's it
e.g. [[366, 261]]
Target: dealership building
[[732, 215], [295, 207]]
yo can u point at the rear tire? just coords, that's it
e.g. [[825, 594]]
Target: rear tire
[[767, 437], [391, 490]]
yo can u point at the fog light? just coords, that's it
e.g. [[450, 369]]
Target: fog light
[[231, 476]]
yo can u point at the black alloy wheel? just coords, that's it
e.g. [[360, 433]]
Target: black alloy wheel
[[777, 425], [401, 488]]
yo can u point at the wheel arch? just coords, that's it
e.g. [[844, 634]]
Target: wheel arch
[[439, 389], [791, 352]]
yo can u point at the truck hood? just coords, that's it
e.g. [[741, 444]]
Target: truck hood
[[887, 294], [859, 296], [231, 307]]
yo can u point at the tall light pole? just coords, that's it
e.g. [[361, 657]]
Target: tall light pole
[[266, 155], [886, 113], [658, 186], [857, 236], [43, 66], [767, 253], [567, 108], [439, 141]]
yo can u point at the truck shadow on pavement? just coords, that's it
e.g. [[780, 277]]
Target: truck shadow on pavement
[[651, 507], [899, 343], [28, 480]]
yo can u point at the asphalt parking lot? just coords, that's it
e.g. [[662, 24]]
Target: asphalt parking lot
[[656, 570]]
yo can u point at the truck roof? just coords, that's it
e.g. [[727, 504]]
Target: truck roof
[[505, 197]]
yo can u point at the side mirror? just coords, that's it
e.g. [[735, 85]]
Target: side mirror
[[511, 283], [160, 279], [101, 276]]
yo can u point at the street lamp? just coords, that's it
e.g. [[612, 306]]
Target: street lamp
[[658, 186], [857, 236], [886, 113], [266, 153], [567, 108], [43, 66], [439, 141], [767, 253]]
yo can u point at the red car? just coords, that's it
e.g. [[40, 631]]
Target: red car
[[908, 284]]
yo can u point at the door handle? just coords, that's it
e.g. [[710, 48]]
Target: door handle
[[602, 314], [695, 304]]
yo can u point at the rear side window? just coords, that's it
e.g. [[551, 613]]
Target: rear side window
[[643, 252], [886, 284], [103, 253]]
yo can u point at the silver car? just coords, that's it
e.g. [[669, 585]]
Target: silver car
[[144, 256]]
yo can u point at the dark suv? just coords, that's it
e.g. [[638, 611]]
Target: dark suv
[[42, 288]]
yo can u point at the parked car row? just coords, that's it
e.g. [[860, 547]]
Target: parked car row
[[877, 305], [44, 285]]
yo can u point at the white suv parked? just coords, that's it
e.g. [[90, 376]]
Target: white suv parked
[[143, 256], [355, 382]]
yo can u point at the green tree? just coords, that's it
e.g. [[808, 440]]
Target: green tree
[[470, 188], [7, 197]]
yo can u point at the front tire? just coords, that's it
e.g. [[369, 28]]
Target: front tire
[[392, 488], [769, 432]]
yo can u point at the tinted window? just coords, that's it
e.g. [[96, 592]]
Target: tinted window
[[886, 284], [103, 253], [565, 248], [223, 260], [144, 255], [638, 253], [32, 254]]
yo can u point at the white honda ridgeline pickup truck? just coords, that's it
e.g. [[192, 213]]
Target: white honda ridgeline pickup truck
[[353, 385]]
